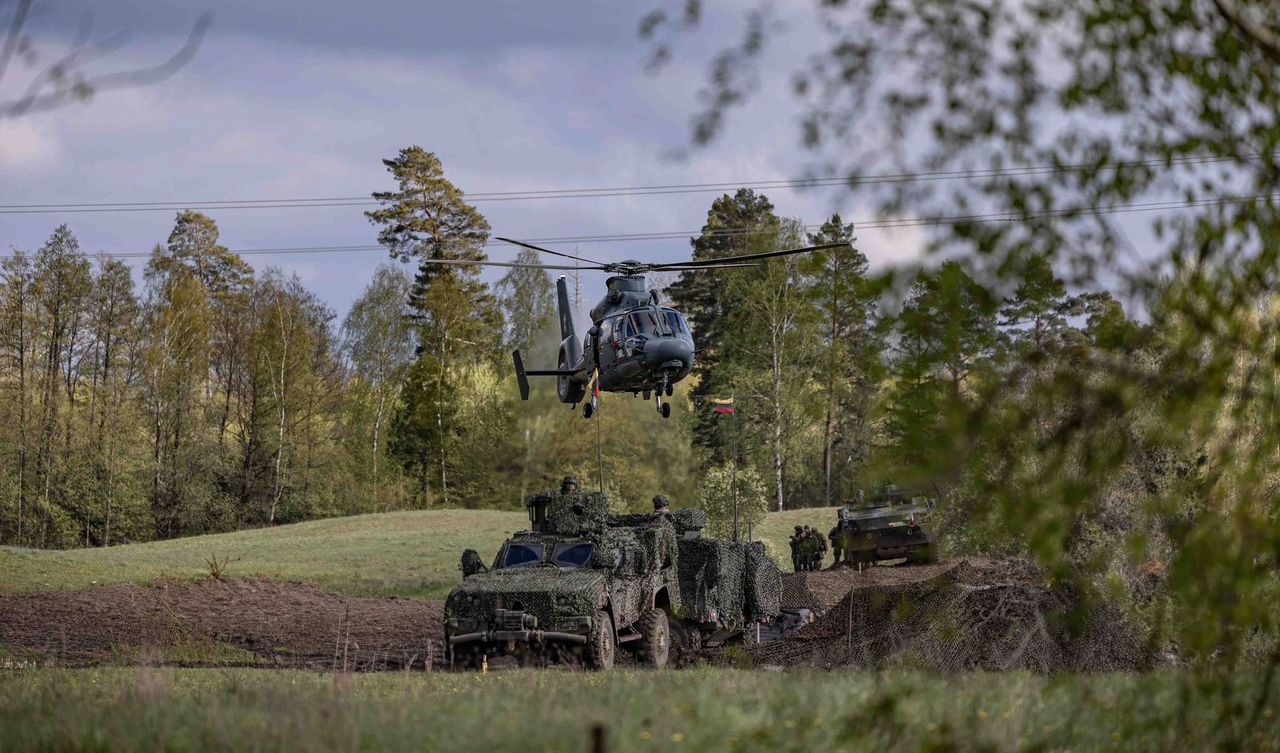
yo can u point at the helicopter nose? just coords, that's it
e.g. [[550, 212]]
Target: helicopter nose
[[667, 349]]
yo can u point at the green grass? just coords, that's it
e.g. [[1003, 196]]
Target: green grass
[[389, 554], [393, 554], [695, 710]]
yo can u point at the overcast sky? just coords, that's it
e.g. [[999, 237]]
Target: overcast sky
[[290, 99]]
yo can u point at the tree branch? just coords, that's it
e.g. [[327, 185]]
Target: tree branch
[[1260, 36], [67, 87]]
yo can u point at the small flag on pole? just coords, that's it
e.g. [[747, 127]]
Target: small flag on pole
[[723, 404]]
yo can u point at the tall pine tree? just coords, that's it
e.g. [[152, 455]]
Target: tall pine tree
[[459, 324], [739, 224]]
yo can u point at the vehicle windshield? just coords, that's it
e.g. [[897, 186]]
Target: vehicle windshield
[[522, 555], [572, 555]]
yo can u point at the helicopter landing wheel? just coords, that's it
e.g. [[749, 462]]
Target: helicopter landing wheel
[[666, 410], [647, 394], [670, 389], [588, 410]]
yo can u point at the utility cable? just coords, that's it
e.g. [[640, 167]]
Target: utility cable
[[607, 192]]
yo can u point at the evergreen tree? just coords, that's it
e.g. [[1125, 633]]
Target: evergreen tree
[[427, 218], [739, 224], [946, 332], [1039, 308], [459, 325], [193, 245], [848, 362]]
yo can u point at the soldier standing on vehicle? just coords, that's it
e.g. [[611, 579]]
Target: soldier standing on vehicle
[[569, 485], [795, 549], [661, 504]]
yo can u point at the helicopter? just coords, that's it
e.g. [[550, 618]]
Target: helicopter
[[635, 344]]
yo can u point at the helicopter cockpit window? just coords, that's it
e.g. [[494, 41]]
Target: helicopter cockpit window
[[645, 323], [627, 329], [522, 555], [676, 323]]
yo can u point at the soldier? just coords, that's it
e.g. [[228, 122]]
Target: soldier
[[661, 504], [569, 485], [795, 549], [837, 544], [821, 553], [808, 547]]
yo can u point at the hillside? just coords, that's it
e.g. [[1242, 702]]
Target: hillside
[[386, 554]]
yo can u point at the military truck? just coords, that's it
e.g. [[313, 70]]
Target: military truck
[[582, 584], [891, 526]]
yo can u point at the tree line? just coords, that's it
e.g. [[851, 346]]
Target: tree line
[[213, 397]]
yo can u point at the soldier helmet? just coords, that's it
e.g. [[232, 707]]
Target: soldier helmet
[[569, 484], [799, 529], [660, 502], [807, 528]]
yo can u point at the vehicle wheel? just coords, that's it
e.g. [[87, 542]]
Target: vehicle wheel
[[655, 638], [670, 389], [686, 641], [587, 410], [600, 643], [666, 410], [647, 395]]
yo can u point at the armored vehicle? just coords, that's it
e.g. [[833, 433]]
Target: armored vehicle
[[582, 584], [891, 526]]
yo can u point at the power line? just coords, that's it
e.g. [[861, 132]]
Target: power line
[[599, 192], [882, 223]]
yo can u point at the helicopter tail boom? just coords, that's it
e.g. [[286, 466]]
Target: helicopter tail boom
[[566, 313], [523, 374]]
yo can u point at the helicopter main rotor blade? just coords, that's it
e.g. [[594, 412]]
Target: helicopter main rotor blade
[[549, 251], [510, 264], [687, 268], [712, 263]]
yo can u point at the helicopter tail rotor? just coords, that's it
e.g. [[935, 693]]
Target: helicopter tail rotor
[[521, 376]]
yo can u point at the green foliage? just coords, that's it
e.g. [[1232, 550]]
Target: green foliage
[[740, 224], [698, 710], [1125, 457], [528, 301], [721, 489]]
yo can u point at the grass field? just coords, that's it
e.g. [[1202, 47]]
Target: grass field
[[695, 710], [389, 554], [704, 709]]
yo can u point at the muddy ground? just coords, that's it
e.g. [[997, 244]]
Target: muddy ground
[[970, 614], [228, 622]]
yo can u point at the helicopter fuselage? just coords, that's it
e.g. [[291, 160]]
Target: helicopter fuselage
[[640, 346], [634, 345], [639, 349]]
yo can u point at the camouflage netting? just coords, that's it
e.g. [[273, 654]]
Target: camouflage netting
[[572, 514], [970, 615], [550, 595], [796, 594], [729, 580], [763, 584], [689, 520]]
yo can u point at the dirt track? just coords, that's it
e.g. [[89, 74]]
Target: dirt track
[[970, 614], [196, 622]]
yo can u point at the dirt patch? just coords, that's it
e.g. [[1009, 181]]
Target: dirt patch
[[222, 622], [973, 614]]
